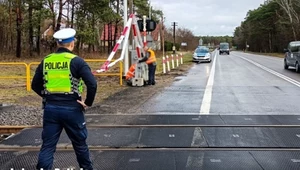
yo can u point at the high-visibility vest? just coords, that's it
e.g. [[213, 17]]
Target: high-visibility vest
[[152, 57], [57, 74], [130, 72]]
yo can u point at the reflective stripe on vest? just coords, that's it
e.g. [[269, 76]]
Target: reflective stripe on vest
[[130, 72], [152, 57], [129, 75], [57, 74]]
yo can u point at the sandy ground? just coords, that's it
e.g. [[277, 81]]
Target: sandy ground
[[111, 98]]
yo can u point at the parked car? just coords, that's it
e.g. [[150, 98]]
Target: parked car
[[224, 48], [202, 54], [292, 56]]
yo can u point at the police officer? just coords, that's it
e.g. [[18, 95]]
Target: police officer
[[59, 81], [151, 61]]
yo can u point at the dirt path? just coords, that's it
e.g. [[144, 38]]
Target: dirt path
[[110, 99]]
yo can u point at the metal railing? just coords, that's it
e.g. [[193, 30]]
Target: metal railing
[[16, 77], [28, 71]]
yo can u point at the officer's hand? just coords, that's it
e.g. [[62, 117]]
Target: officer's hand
[[82, 103]]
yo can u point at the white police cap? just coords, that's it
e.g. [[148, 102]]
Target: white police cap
[[65, 35]]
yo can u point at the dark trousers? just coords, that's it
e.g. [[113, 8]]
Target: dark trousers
[[151, 69], [72, 120]]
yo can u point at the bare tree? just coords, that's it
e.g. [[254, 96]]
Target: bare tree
[[287, 6]]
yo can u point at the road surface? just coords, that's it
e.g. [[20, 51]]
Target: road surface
[[235, 84], [238, 112]]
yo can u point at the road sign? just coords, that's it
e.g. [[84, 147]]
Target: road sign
[[200, 41]]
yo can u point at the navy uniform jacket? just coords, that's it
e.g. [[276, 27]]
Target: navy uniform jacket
[[79, 69]]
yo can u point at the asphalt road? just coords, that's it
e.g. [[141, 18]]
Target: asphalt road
[[235, 84], [256, 88]]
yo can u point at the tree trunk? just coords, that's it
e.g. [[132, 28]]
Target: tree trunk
[[72, 15], [294, 32], [51, 6], [109, 38], [59, 16], [38, 38], [11, 46], [94, 32], [116, 23], [2, 37], [104, 39], [19, 31], [30, 28]]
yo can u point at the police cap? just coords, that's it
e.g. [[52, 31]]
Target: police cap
[[65, 35]]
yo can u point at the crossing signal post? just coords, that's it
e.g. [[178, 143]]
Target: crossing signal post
[[174, 24], [150, 25]]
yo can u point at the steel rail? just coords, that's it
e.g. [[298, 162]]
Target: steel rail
[[15, 129], [101, 148]]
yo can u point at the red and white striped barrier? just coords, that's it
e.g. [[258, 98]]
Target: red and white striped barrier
[[168, 63], [177, 60], [173, 64], [164, 64], [181, 58], [125, 34]]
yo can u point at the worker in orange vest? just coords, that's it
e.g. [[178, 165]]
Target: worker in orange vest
[[150, 59]]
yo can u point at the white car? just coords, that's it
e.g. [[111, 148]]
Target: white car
[[202, 54]]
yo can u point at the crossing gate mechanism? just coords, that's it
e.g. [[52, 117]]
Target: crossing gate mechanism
[[141, 69]]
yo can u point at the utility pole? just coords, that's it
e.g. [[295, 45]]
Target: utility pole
[[149, 3], [131, 11], [174, 24], [126, 59], [163, 34]]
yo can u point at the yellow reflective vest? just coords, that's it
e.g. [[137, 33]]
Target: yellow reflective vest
[[57, 74], [152, 58]]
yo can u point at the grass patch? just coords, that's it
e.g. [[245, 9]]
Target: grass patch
[[187, 59], [13, 90]]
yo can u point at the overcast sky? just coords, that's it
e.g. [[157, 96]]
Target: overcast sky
[[206, 17]]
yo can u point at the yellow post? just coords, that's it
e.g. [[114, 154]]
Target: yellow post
[[28, 77], [121, 73], [28, 74]]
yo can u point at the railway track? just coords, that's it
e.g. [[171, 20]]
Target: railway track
[[16, 129], [12, 129]]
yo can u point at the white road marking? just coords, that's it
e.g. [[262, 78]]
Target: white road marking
[[206, 101], [197, 162], [295, 160], [197, 137], [297, 83]]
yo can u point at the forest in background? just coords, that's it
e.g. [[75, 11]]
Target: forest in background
[[27, 26], [270, 27]]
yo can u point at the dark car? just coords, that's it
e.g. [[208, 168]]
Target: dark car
[[224, 48], [292, 56]]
